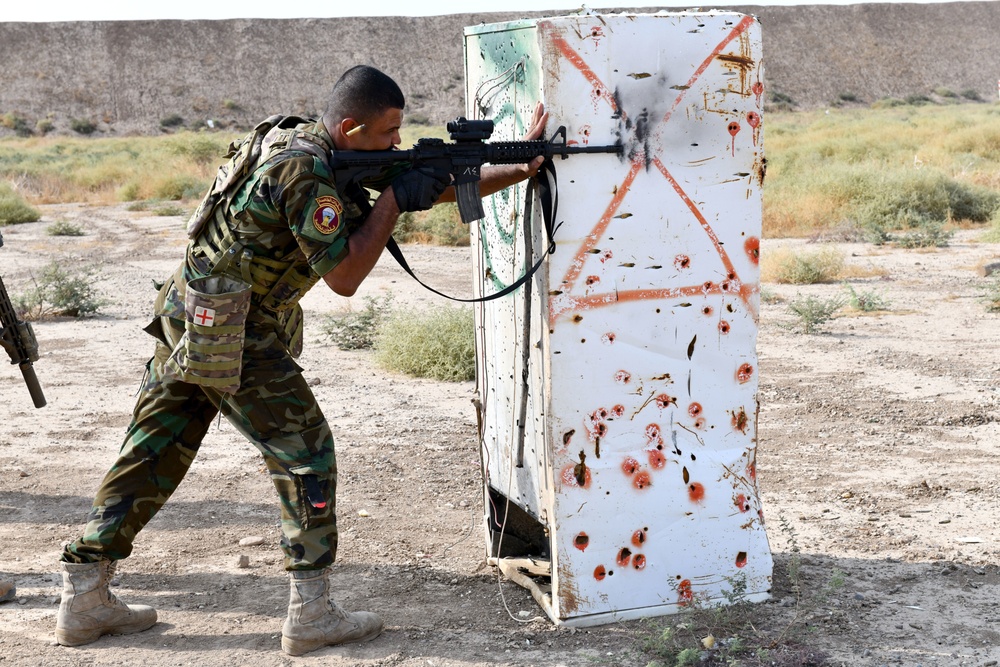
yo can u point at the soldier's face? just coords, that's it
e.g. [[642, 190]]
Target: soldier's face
[[380, 133]]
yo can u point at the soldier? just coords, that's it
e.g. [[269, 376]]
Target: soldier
[[228, 325]]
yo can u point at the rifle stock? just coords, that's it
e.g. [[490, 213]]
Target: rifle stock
[[463, 158], [22, 347]]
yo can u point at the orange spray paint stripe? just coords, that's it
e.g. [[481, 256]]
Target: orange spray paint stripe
[[611, 298], [598, 231], [701, 218], [736, 32], [577, 61]]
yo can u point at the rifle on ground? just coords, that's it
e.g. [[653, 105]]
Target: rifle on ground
[[18, 339], [463, 158]]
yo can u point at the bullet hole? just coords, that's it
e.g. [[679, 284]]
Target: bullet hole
[[599, 573], [606, 256], [725, 285], [696, 492], [753, 119], [694, 409], [567, 435], [690, 350], [601, 430], [583, 340], [707, 286], [682, 262], [623, 377], [723, 327], [657, 311], [572, 474], [630, 465], [581, 541], [744, 373], [617, 410], [685, 592], [729, 307], [599, 413], [731, 275], [580, 471], [577, 318], [740, 420], [608, 338], [639, 537], [639, 562], [652, 432], [693, 457], [656, 459], [707, 310], [663, 400], [741, 503], [624, 556], [642, 480], [593, 280], [699, 423], [752, 248], [686, 475], [741, 559], [752, 471]]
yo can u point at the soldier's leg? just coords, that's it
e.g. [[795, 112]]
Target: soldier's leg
[[168, 424], [276, 410]]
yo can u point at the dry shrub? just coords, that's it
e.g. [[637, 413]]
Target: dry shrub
[[438, 343], [789, 266]]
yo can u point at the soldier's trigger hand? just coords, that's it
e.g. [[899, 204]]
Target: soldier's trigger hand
[[418, 189]]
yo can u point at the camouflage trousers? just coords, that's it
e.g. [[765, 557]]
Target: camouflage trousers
[[274, 408]]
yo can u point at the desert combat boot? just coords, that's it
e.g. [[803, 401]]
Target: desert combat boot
[[89, 609], [315, 620]]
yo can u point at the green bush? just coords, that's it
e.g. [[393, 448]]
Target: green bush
[[167, 209], [57, 292], [179, 186], [810, 312], [82, 125], [173, 120], [438, 343], [803, 268], [357, 330], [63, 228], [912, 199], [867, 301], [16, 122], [13, 209], [441, 225]]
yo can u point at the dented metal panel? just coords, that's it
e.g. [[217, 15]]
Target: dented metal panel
[[619, 388]]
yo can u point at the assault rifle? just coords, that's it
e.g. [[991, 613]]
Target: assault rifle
[[19, 340], [463, 158]]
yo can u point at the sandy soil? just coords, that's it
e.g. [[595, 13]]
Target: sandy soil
[[877, 454]]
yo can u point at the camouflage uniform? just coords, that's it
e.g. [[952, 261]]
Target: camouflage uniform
[[290, 225]]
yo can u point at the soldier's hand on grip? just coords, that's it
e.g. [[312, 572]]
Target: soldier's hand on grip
[[418, 189]]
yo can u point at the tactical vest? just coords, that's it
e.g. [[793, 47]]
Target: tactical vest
[[275, 284]]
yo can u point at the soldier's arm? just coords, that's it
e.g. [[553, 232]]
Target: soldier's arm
[[364, 246]]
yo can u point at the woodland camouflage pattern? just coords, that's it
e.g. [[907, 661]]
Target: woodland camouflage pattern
[[292, 223]]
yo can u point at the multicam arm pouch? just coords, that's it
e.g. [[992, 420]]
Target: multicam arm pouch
[[210, 353]]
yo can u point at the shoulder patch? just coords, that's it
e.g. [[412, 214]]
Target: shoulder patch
[[326, 219]]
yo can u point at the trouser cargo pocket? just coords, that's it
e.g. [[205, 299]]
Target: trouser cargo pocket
[[210, 352]]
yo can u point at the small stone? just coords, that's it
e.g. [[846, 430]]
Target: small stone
[[463, 503], [243, 561], [523, 614], [363, 513], [8, 591], [23, 473], [22, 601], [989, 269], [252, 541]]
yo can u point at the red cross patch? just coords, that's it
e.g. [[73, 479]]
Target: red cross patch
[[204, 316]]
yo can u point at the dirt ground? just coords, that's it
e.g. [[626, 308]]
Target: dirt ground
[[877, 456]]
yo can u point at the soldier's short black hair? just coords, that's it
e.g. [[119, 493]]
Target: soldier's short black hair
[[363, 93]]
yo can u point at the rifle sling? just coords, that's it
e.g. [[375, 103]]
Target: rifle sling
[[548, 195]]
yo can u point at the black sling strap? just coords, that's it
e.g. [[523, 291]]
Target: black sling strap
[[548, 196]]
